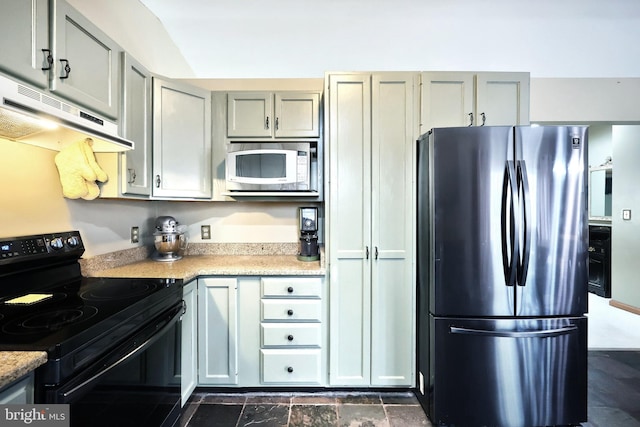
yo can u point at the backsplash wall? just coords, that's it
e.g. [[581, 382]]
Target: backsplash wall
[[31, 203]]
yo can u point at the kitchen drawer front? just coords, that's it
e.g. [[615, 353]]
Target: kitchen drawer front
[[291, 366], [291, 334], [278, 309], [280, 287]]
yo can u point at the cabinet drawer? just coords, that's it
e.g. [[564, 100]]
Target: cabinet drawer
[[278, 309], [291, 334], [291, 366], [291, 287]]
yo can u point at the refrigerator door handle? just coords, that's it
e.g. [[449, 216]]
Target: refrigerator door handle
[[545, 333], [509, 225], [523, 182]]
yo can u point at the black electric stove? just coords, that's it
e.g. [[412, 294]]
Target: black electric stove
[[46, 304]]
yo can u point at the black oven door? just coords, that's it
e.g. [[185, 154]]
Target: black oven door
[[136, 384]]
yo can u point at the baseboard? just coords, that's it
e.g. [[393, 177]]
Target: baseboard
[[625, 307]]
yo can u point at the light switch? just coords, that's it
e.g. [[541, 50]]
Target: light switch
[[626, 214]]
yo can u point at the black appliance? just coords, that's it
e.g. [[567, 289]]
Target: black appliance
[[600, 260], [113, 344], [309, 234], [502, 276]]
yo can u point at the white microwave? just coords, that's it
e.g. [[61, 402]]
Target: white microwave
[[268, 166]]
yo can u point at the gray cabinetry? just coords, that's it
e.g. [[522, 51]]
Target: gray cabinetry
[[25, 47], [19, 392], [453, 99], [273, 115], [181, 141], [291, 331], [135, 125], [218, 331], [372, 127], [51, 45], [189, 360], [85, 66]]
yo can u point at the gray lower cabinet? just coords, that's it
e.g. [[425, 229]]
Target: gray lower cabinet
[[181, 141], [189, 342], [18, 392], [262, 331]]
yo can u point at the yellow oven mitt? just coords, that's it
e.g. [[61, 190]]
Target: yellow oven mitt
[[79, 171]]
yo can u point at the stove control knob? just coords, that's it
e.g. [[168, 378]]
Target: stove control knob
[[73, 241], [56, 243]]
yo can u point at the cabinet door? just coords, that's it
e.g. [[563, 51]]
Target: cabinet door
[[135, 166], [92, 57], [349, 228], [249, 114], [181, 140], [218, 333], [392, 291], [447, 100], [189, 361], [502, 98], [24, 27], [297, 114]]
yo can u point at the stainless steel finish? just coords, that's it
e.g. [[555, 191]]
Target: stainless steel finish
[[170, 242], [502, 275], [510, 373]]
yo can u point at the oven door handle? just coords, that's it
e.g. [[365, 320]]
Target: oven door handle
[[124, 352]]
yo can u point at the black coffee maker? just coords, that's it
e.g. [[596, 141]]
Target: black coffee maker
[[309, 234]]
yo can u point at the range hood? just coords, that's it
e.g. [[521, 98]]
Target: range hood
[[33, 117]]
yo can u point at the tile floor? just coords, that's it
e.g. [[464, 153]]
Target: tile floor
[[304, 409], [613, 401]]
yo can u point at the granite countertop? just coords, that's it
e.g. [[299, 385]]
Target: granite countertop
[[16, 364], [192, 266]]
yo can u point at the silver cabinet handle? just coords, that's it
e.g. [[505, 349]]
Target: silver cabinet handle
[[367, 251], [376, 252], [470, 119], [132, 176], [66, 69], [267, 123], [48, 59], [157, 181], [484, 118]]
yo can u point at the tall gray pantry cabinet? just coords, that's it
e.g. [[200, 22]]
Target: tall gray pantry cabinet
[[372, 125]]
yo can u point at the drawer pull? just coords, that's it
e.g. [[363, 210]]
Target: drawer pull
[[290, 289], [290, 369], [290, 312], [290, 337]]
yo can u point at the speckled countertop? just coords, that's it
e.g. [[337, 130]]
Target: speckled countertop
[[16, 364], [209, 260]]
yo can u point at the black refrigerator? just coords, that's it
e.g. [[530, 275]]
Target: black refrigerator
[[502, 259]]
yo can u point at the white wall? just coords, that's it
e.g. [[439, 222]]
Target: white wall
[[303, 38]]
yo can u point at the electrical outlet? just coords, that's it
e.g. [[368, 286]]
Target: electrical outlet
[[135, 234], [626, 214], [205, 232]]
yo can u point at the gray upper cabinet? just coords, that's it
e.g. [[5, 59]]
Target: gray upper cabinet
[[452, 99], [181, 141], [24, 40], [85, 62], [273, 115], [135, 125]]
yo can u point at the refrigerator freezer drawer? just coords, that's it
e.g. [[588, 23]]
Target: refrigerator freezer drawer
[[508, 373]]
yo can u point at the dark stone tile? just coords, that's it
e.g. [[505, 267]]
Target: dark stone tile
[[313, 416], [187, 412], [601, 416], [264, 415], [364, 398], [227, 398], [269, 398], [362, 416], [216, 415], [405, 398], [314, 399], [406, 415]]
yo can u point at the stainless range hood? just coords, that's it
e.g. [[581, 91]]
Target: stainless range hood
[[37, 118]]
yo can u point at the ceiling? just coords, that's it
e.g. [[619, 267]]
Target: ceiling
[[305, 38]]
